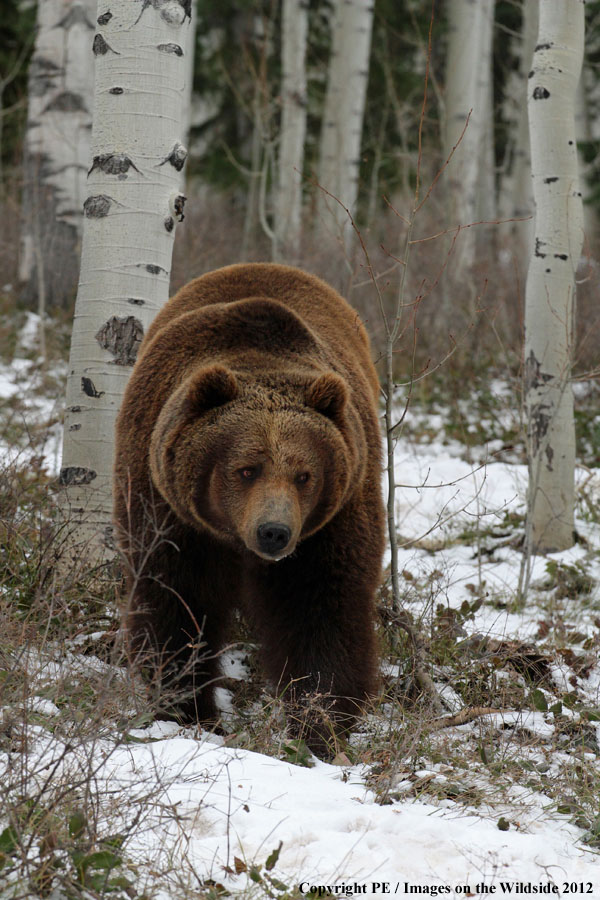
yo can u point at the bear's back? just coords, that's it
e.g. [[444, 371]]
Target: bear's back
[[319, 306]]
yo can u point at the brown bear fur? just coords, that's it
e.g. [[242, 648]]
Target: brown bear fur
[[251, 413]]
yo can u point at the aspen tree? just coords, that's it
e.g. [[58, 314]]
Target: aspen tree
[[467, 101], [486, 187], [57, 149], [516, 191], [133, 203], [550, 291], [341, 131], [288, 201]]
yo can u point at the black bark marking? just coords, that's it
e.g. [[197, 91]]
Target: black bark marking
[[560, 256], [113, 164], [170, 48], [76, 475], [88, 387], [145, 5], [122, 337], [105, 18], [75, 427], [74, 409], [71, 212], [551, 180], [101, 48], [154, 270], [109, 537], [67, 101], [531, 74], [136, 301], [44, 65], [538, 244], [178, 206], [43, 74], [116, 90], [540, 93], [169, 10], [97, 207], [173, 13], [169, 224], [176, 157], [549, 456], [533, 375], [75, 16], [543, 47], [538, 425]]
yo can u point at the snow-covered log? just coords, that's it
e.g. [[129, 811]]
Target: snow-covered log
[[132, 205], [550, 289]]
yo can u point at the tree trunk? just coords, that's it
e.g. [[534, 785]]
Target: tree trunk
[[551, 278], [516, 190], [587, 180], [487, 167], [288, 203], [467, 104], [487, 211], [133, 202], [57, 149], [252, 200], [341, 130]]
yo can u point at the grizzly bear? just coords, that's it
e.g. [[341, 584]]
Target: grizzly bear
[[248, 477]]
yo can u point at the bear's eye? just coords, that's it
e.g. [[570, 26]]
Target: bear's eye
[[302, 478], [248, 473]]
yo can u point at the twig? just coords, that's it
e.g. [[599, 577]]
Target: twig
[[466, 715]]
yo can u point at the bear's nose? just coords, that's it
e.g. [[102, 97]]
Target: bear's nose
[[273, 537]]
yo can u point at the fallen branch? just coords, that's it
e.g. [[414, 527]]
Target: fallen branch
[[468, 714]]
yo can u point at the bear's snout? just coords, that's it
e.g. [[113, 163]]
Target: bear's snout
[[273, 538]]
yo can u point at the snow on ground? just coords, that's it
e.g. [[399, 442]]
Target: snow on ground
[[26, 410], [202, 804], [216, 804]]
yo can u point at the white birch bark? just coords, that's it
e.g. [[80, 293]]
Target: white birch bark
[[341, 131], [551, 278], [486, 176], [516, 188], [57, 149], [133, 202], [467, 99], [288, 200]]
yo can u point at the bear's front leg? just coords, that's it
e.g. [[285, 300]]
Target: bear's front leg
[[315, 615], [174, 625]]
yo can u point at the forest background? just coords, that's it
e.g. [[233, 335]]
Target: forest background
[[234, 141]]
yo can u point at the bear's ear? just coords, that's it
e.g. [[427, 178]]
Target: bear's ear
[[328, 396], [210, 388]]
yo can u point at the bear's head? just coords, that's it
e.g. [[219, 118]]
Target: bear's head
[[261, 465]]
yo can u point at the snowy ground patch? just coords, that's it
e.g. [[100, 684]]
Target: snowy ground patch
[[509, 797]]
